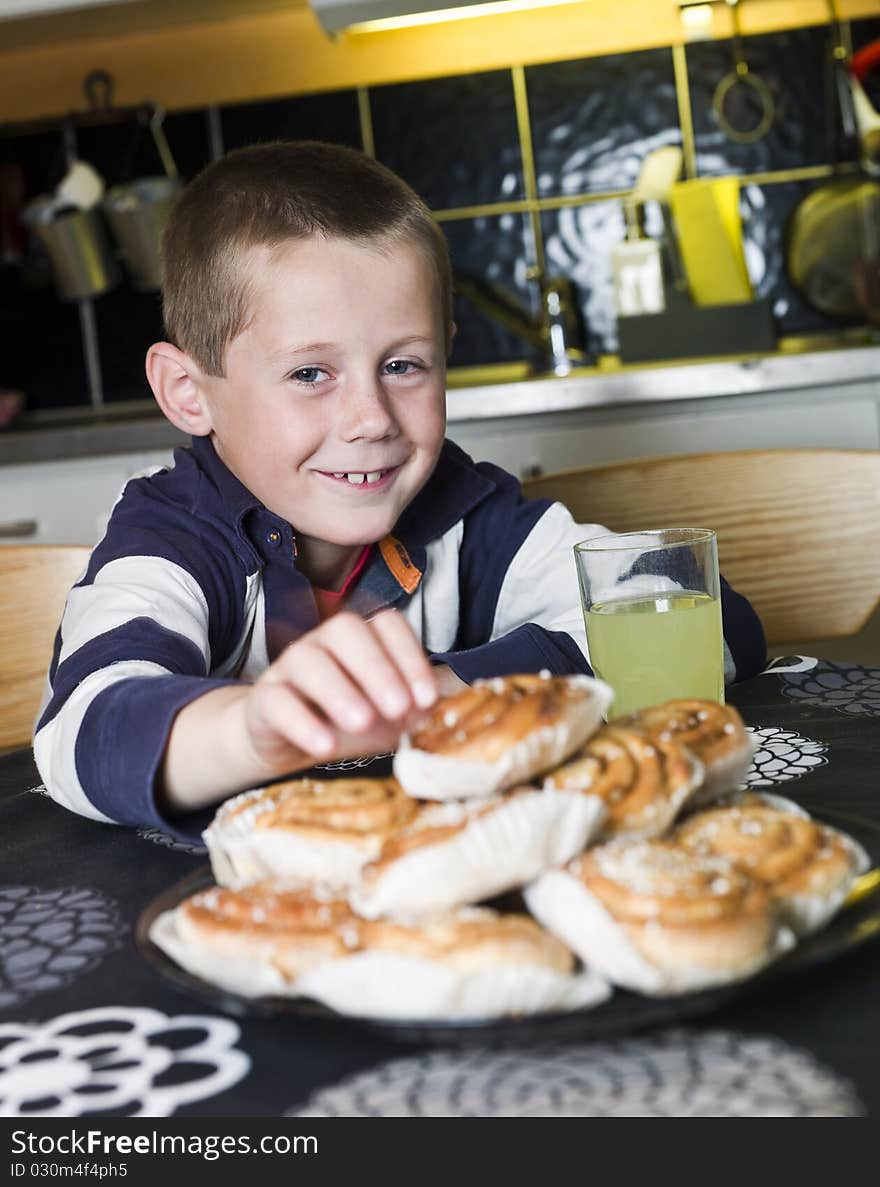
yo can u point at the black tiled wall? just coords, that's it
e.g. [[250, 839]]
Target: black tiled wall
[[594, 121], [795, 67], [454, 140], [457, 141], [495, 250], [332, 117]]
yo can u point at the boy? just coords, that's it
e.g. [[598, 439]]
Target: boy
[[307, 301]]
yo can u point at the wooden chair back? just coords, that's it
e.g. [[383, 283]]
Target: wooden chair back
[[34, 582], [798, 529]]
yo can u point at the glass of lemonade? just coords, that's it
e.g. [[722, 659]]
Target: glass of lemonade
[[652, 609]]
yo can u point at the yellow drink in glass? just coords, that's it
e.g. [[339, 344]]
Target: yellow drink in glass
[[652, 648]]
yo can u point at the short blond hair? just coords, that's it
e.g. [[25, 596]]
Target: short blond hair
[[265, 195]]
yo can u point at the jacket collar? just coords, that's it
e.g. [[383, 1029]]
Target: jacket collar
[[235, 497]]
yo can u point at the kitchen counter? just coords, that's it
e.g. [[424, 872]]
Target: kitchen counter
[[139, 428], [653, 383]]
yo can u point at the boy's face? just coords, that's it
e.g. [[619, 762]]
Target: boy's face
[[332, 410]]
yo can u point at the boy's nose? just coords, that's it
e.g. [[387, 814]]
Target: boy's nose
[[366, 412]]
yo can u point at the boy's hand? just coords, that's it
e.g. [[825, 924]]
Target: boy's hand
[[348, 688], [345, 689]]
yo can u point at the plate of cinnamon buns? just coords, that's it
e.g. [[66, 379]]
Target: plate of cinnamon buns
[[527, 862]]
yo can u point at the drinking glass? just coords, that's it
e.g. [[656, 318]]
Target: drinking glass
[[652, 610]]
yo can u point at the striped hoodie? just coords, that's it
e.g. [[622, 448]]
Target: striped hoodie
[[195, 585]]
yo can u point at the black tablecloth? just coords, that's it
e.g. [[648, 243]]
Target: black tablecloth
[[87, 1026]]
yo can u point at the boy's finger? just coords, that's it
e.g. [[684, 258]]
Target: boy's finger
[[359, 648], [399, 640], [279, 710], [316, 673]]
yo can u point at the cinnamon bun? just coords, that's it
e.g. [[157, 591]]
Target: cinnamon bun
[[307, 831], [807, 867], [499, 733], [715, 734], [456, 853], [651, 916], [269, 939], [643, 781], [471, 963], [257, 940]]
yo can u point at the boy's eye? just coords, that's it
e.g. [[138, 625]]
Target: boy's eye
[[402, 366], [307, 374]]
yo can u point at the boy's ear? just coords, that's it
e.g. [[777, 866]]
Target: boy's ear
[[178, 385], [453, 330]]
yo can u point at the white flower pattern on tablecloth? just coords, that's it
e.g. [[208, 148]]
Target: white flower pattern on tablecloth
[[117, 1059], [782, 755], [790, 663], [674, 1073], [846, 688], [49, 938], [158, 837], [351, 764]]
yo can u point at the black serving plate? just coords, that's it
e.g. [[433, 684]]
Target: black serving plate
[[622, 1013]]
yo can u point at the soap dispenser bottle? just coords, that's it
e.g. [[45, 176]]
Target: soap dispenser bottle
[[637, 269]]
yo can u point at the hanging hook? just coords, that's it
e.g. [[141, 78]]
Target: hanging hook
[[739, 76], [98, 86], [740, 64]]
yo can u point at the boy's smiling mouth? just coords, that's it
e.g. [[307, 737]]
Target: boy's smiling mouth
[[360, 479]]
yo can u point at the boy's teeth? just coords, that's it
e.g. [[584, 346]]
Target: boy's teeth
[[360, 479]]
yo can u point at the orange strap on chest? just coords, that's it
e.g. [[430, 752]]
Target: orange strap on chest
[[397, 559]]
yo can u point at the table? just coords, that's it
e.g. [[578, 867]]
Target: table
[[87, 1025]]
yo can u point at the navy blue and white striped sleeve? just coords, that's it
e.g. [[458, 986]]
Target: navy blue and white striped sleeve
[[141, 632], [520, 602]]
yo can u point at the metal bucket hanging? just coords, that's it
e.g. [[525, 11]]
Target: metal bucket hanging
[[137, 210], [136, 213], [83, 261]]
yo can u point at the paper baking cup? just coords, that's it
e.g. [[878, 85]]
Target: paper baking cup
[[809, 913], [500, 850], [726, 775], [392, 985], [247, 977], [240, 853], [565, 907], [428, 776]]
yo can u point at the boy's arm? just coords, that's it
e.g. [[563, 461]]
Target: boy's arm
[[135, 730], [520, 603], [135, 645], [521, 608]]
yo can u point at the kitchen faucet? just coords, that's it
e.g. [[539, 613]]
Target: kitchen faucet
[[556, 334]]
